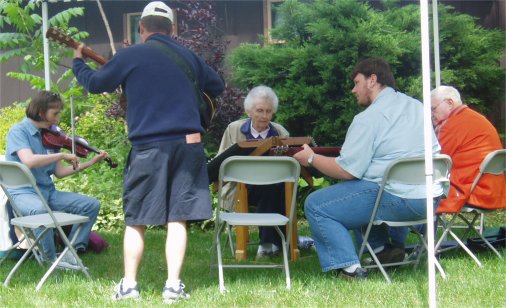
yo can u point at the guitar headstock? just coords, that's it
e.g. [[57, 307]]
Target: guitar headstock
[[57, 35]]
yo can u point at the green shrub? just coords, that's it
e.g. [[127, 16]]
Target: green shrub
[[9, 116], [305, 189], [102, 133], [323, 40], [101, 181]]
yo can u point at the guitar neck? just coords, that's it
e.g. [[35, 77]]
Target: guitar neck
[[60, 37], [290, 151], [88, 52]]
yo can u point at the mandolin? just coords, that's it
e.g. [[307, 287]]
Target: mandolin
[[207, 106]]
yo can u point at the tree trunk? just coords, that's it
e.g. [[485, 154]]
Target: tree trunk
[[107, 27]]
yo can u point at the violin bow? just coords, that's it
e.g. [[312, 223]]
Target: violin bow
[[73, 126]]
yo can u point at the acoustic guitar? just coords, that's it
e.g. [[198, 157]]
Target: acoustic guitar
[[207, 106]]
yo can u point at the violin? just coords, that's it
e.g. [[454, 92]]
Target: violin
[[54, 138]]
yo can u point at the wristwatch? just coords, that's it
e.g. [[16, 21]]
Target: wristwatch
[[310, 160]]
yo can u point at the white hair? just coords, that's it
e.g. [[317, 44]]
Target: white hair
[[261, 92], [446, 92]]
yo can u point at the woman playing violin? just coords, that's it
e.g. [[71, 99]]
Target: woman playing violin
[[25, 145]]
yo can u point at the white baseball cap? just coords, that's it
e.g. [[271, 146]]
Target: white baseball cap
[[158, 8]]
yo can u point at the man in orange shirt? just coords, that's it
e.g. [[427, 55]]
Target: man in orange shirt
[[467, 137]]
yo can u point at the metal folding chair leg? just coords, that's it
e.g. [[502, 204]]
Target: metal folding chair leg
[[24, 257], [378, 263], [447, 230], [470, 225], [229, 239], [285, 257], [68, 249], [219, 256], [436, 262], [28, 235]]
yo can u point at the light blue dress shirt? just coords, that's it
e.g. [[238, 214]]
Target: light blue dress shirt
[[390, 128]]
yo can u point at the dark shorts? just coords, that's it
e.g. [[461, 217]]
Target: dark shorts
[[166, 181]]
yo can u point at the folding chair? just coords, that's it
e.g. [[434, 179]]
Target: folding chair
[[23, 242], [16, 175], [410, 171], [255, 170], [7, 246], [494, 163]]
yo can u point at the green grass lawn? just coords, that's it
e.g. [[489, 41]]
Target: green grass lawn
[[466, 286]]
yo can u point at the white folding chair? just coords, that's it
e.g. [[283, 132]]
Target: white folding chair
[[255, 170], [16, 175], [494, 163], [7, 246], [410, 171]]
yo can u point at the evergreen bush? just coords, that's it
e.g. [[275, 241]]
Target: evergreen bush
[[323, 40]]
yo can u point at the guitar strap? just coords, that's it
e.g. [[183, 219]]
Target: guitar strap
[[183, 65]]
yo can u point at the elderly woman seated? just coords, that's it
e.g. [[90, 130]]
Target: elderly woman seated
[[260, 105]]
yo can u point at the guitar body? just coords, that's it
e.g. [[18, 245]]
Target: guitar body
[[207, 106]]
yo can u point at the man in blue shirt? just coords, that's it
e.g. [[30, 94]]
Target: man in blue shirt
[[165, 179], [389, 128]]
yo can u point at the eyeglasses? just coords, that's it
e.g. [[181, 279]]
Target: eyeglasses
[[433, 108]]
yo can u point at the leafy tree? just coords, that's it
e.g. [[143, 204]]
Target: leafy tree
[[198, 31], [323, 40], [21, 36], [99, 119]]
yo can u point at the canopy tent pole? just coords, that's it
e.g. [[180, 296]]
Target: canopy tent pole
[[47, 73], [427, 125], [435, 26]]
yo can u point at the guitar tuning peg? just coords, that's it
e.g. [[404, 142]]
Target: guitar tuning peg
[[313, 142]]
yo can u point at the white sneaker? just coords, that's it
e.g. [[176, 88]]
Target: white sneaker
[[121, 292], [170, 295], [275, 250], [264, 250]]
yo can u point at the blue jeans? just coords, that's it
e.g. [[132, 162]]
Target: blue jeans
[[334, 210], [28, 203]]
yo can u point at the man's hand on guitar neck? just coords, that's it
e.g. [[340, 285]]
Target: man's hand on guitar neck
[[304, 155], [78, 52]]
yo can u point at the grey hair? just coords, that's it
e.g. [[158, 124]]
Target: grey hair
[[446, 92], [261, 92]]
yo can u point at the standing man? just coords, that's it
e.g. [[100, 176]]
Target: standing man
[[467, 137], [165, 178], [390, 127]]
